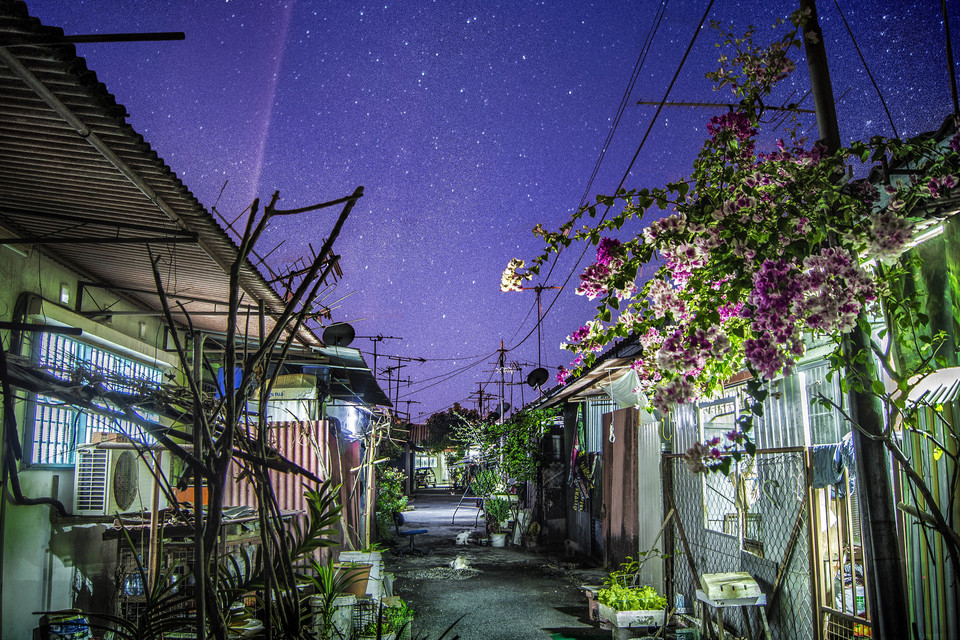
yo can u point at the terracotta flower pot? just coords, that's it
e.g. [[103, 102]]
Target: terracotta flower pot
[[359, 571]]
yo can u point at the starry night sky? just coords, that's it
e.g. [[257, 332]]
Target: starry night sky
[[467, 123]]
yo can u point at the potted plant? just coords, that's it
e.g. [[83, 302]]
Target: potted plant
[[632, 606], [400, 619], [332, 604], [372, 555], [378, 630], [358, 574], [626, 604], [497, 510]]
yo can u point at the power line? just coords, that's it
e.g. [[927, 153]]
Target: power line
[[866, 68], [621, 108], [625, 100], [622, 181], [447, 376], [629, 167]]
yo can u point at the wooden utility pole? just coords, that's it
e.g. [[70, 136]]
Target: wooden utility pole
[[480, 396], [881, 547]]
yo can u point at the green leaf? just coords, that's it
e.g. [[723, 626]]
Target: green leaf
[[878, 388]]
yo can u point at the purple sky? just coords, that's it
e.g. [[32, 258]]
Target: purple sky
[[467, 123]]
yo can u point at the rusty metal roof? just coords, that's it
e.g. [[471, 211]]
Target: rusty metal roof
[[75, 174], [81, 185]]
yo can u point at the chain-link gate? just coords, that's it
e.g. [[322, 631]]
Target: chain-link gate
[[754, 520]]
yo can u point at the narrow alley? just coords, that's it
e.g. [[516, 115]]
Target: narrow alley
[[497, 594]]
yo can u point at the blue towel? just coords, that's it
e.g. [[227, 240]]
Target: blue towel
[[827, 468], [846, 457]]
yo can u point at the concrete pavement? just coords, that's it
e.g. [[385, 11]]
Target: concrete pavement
[[502, 594]]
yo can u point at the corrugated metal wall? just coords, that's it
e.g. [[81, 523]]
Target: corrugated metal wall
[[595, 410], [302, 442], [932, 583], [650, 500]]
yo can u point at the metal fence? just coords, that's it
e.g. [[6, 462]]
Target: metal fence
[[757, 521]]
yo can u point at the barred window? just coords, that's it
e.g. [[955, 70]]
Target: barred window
[[57, 427], [719, 500], [424, 461]]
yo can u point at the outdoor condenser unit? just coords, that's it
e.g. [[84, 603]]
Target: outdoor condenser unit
[[109, 481]]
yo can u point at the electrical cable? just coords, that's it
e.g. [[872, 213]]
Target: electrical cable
[[625, 100], [449, 375], [419, 360], [622, 181], [629, 167], [621, 108], [867, 69]]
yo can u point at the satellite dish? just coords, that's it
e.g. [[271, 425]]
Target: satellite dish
[[497, 413], [537, 377], [339, 334]]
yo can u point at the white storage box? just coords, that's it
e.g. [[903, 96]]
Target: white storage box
[[730, 586], [640, 618]]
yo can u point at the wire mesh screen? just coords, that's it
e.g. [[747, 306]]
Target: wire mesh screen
[[764, 531]]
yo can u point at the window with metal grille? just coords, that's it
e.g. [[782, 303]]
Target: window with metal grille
[[821, 397], [719, 491], [58, 428], [424, 461]]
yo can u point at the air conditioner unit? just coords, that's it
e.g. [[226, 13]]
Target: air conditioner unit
[[109, 481]]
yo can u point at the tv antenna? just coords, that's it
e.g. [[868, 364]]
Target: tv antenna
[[375, 339]]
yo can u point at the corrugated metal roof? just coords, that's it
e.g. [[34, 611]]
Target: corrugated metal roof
[[588, 384], [67, 150], [73, 171]]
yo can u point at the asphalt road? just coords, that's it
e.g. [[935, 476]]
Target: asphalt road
[[501, 594]]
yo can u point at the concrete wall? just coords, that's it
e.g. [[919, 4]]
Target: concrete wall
[[53, 563]]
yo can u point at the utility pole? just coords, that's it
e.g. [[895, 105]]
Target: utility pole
[[878, 515], [396, 397], [479, 395], [502, 365], [539, 289], [410, 402]]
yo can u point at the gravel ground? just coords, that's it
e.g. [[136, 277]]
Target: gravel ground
[[501, 594]]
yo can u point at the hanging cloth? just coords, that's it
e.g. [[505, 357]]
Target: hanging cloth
[[579, 461]]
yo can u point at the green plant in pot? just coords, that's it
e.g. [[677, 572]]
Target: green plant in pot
[[625, 603], [400, 619], [329, 583], [497, 510], [623, 598]]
